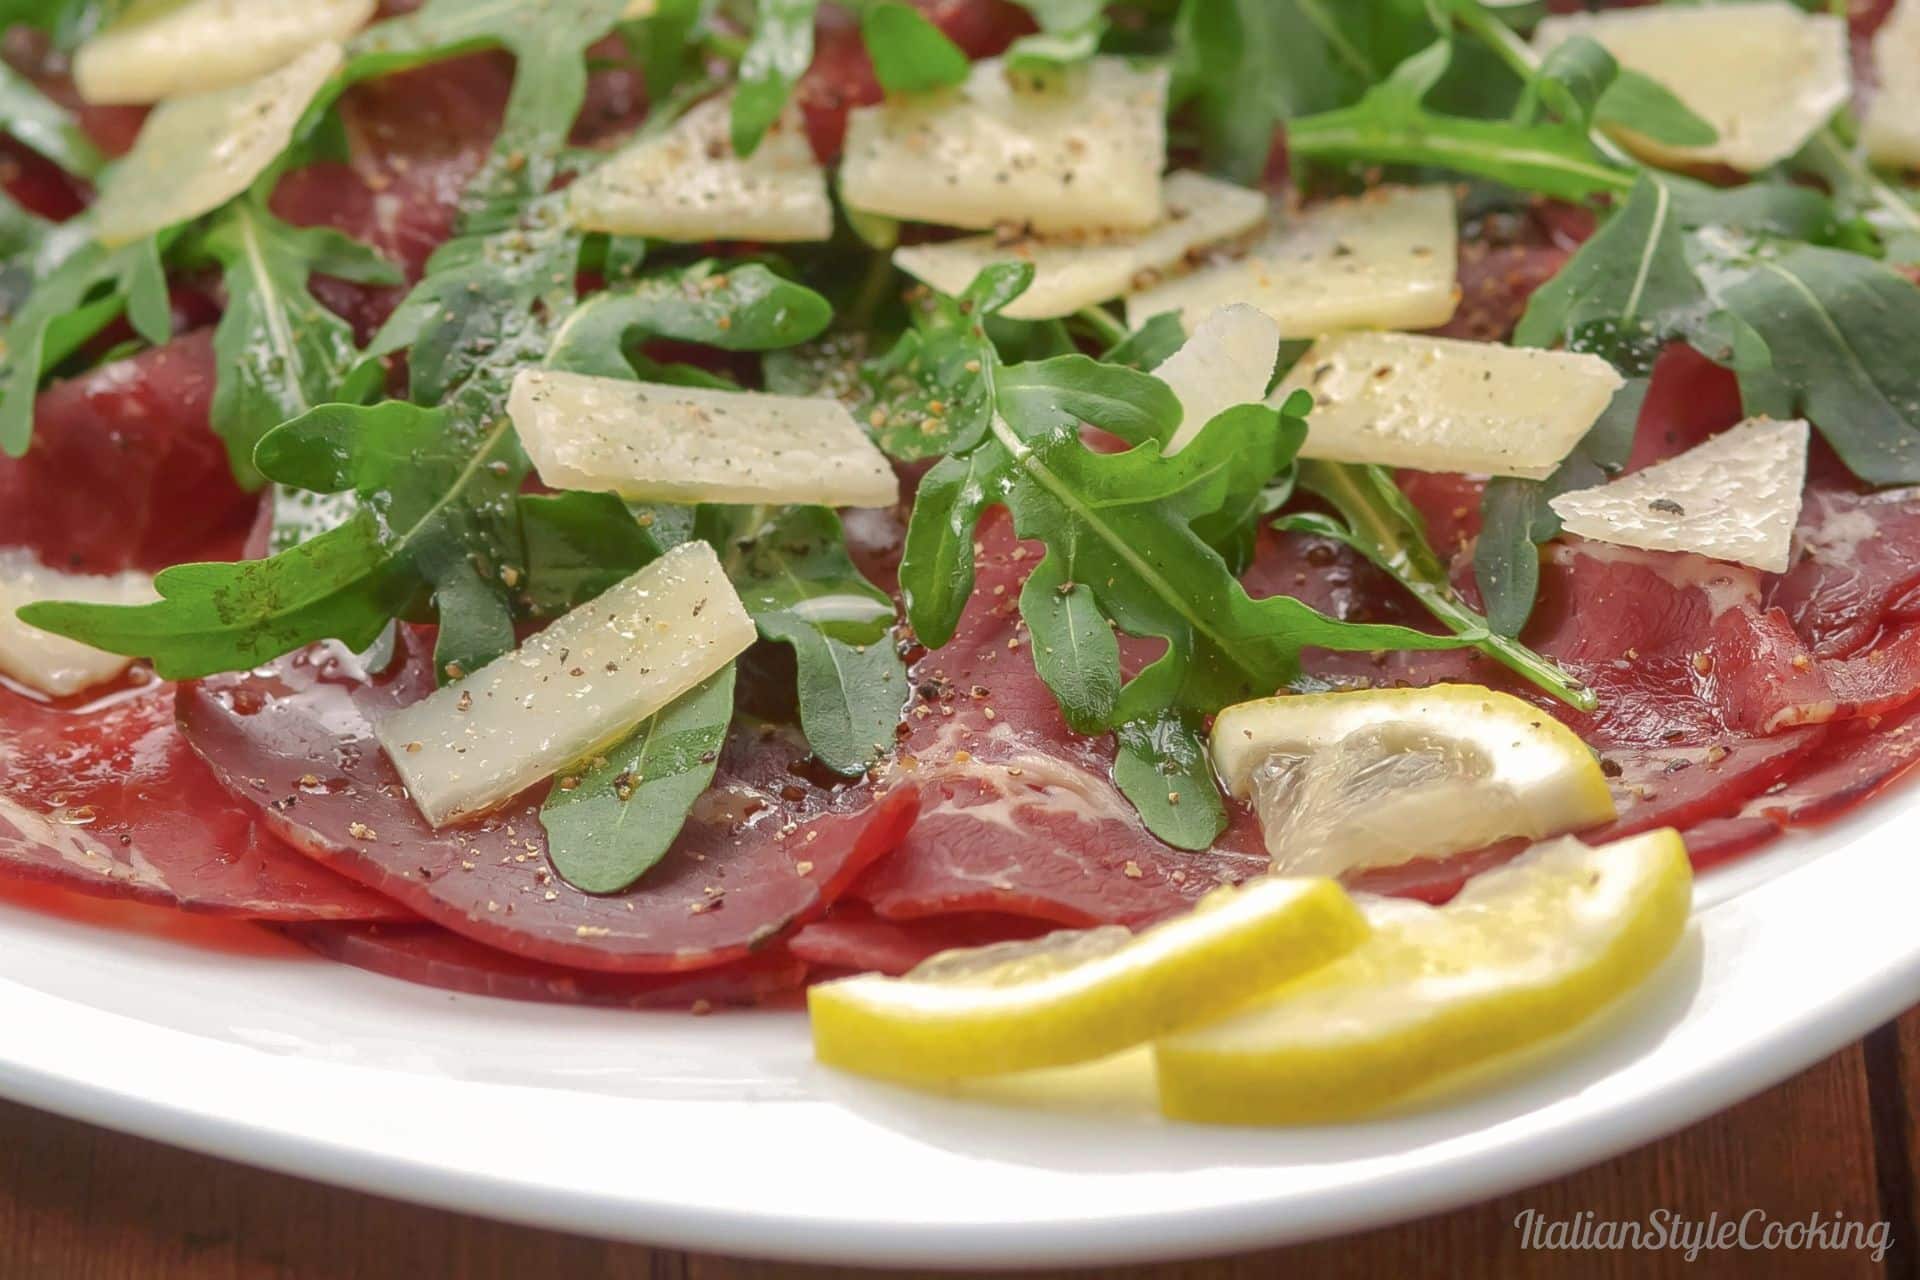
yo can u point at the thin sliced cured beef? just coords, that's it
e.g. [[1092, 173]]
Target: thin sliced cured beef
[[125, 471], [436, 957], [108, 799], [1504, 259], [770, 845], [841, 76], [415, 140], [1856, 568], [850, 940], [1020, 815]]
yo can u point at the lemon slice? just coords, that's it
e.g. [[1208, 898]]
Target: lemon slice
[[1073, 997], [1525, 953], [1380, 777]]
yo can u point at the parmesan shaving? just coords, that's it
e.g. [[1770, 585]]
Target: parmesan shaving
[[688, 184], [1766, 75], [655, 442], [1439, 404], [1075, 271], [573, 689], [1076, 150], [1228, 361], [41, 660], [1891, 132], [195, 154], [1733, 497], [1385, 260], [164, 48]]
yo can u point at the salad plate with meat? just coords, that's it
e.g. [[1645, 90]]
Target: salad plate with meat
[[1314, 607]]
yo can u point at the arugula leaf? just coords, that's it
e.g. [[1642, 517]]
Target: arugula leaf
[[1389, 125], [279, 351], [738, 307], [82, 296], [910, 54], [1247, 65], [1120, 527], [1163, 767], [779, 54], [580, 544], [607, 826], [1515, 517], [1647, 107], [791, 568], [1630, 290], [1378, 521], [1070, 31], [227, 617], [1836, 326], [548, 39], [929, 395], [38, 122]]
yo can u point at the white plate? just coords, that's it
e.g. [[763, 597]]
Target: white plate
[[718, 1134]]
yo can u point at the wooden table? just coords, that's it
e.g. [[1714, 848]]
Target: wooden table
[[80, 1202]]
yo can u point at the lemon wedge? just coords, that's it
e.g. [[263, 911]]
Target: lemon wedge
[[1525, 953], [1076, 996], [1380, 777]]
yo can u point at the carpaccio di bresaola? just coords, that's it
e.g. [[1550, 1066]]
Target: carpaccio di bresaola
[[1732, 704]]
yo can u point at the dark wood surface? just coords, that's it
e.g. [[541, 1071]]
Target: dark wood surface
[[1843, 1137]]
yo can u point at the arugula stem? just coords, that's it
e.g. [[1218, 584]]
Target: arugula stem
[[1525, 63], [1108, 331], [1383, 538], [1884, 196]]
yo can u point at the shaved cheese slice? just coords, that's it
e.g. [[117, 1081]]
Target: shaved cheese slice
[[1075, 271], [573, 689], [689, 184], [1892, 128], [165, 48], [41, 660], [1228, 361], [1076, 150], [1439, 404], [195, 154], [1766, 75], [1385, 260], [1733, 497], [654, 442]]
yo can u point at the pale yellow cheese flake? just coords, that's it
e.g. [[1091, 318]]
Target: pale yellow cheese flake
[[1766, 75], [1385, 260], [165, 48], [1735, 496], [194, 154], [1075, 271], [41, 660], [688, 184], [1441, 404], [1079, 150]]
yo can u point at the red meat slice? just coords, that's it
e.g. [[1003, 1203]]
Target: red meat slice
[[416, 139], [435, 957], [853, 941], [1019, 815], [108, 799], [124, 471], [841, 77], [1856, 569], [770, 846]]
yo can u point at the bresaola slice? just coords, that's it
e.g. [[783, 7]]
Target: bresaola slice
[[770, 845], [436, 957], [1020, 815], [107, 798]]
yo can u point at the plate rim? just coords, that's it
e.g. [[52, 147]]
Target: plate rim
[[194, 1117]]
